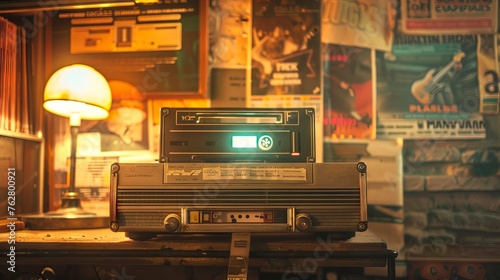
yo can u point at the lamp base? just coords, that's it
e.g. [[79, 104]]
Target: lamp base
[[47, 221], [71, 215]]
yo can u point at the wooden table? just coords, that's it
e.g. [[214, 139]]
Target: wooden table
[[266, 250]]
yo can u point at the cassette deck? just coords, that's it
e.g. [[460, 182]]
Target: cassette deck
[[236, 135], [148, 199], [224, 170]]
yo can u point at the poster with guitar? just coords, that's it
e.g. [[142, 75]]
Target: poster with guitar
[[285, 47], [427, 87]]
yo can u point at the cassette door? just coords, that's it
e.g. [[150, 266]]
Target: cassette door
[[237, 135]]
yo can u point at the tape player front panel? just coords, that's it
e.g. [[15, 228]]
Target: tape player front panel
[[237, 135], [171, 198]]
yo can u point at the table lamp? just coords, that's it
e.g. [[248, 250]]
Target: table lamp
[[78, 92]]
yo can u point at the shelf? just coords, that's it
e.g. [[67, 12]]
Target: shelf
[[20, 135]]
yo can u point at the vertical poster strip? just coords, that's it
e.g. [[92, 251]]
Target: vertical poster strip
[[286, 47], [229, 45], [487, 72], [348, 92], [286, 58]]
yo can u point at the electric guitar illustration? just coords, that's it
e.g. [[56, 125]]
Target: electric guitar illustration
[[426, 88]]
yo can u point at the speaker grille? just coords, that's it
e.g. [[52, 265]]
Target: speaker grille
[[231, 197]]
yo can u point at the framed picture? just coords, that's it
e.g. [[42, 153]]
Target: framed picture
[[125, 129], [161, 49]]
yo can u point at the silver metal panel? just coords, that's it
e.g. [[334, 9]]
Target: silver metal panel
[[331, 195]]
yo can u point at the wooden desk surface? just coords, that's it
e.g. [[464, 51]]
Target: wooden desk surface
[[103, 245]]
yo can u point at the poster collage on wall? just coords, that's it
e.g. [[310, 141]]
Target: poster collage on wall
[[414, 69], [411, 69], [372, 69]]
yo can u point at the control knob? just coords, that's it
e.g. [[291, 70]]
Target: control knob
[[172, 222], [303, 222]]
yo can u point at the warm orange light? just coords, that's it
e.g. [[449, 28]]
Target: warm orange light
[[78, 89]]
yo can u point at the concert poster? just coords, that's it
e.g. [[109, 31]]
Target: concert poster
[[348, 92], [449, 16], [285, 54], [360, 23], [427, 87]]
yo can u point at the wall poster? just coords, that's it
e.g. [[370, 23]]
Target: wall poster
[[285, 47], [427, 87], [448, 16], [229, 39], [488, 73], [349, 95], [361, 23], [159, 49], [286, 58]]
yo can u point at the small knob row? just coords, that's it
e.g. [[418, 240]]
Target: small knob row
[[172, 222]]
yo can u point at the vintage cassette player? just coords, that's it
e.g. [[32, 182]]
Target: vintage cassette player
[[148, 199], [237, 134]]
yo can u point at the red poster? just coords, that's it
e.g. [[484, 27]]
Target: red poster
[[348, 92], [448, 17]]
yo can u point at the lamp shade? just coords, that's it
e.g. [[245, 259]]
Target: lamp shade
[[78, 89]]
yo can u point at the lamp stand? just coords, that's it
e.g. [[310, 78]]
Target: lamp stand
[[70, 215], [71, 199]]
